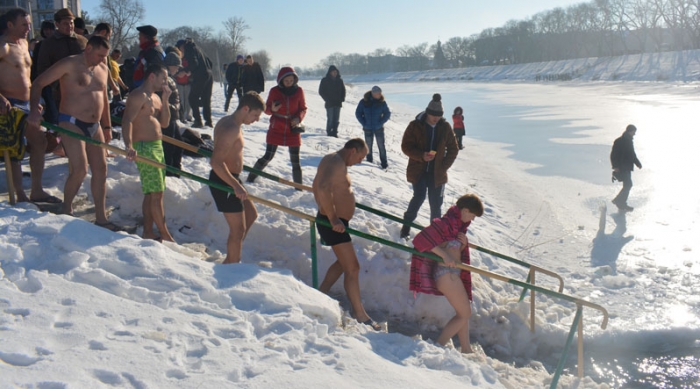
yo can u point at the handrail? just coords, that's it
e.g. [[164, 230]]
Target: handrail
[[578, 320], [369, 209]]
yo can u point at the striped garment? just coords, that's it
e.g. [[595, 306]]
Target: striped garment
[[440, 230]]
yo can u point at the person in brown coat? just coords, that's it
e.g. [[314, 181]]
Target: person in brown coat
[[431, 147]]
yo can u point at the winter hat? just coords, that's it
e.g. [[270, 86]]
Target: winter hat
[[172, 59], [179, 43], [79, 23], [286, 71], [239, 56], [435, 106], [148, 30], [63, 13], [376, 89]]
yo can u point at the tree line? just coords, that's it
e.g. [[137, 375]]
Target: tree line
[[598, 28]]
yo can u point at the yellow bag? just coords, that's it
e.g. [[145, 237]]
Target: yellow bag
[[12, 127]]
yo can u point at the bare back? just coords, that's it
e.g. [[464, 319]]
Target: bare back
[[228, 144], [332, 188], [15, 69], [83, 89], [146, 126]]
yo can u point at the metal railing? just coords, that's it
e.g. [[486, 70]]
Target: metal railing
[[576, 327]]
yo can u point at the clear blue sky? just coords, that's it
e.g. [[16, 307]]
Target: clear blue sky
[[302, 33]]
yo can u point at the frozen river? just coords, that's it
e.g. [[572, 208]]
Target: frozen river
[[643, 266]]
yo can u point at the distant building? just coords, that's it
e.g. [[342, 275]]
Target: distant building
[[44, 10]]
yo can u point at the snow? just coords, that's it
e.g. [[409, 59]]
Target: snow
[[84, 307]]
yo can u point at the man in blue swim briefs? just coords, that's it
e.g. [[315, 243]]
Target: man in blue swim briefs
[[84, 109], [15, 69]]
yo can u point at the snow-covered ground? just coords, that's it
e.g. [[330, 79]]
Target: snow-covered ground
[[83, 307]]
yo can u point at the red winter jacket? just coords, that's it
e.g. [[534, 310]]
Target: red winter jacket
[[293, 106], [439, 231]]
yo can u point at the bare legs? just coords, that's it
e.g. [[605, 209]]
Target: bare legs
[[239, 224], [346, 264], [452, 287], [153, 212]]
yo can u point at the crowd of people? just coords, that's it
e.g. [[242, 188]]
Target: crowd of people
[[70, 77]]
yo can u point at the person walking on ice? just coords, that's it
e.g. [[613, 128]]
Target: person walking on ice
[[446, 237], [623, 159]]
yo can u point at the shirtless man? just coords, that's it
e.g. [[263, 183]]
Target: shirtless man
[[144, 117], [336, 204], [83, 82], [15, 69], [226, 167]]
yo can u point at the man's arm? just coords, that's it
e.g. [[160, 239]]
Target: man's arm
[[225, 139], [164, 117], [409, 145], [133, 106]]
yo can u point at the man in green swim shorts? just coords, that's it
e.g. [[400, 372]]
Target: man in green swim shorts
[[144, 117]]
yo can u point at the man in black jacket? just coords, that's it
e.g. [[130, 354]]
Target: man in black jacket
[[623, 159], [234, 72], [253, 78], [332, 91], [202, 82]]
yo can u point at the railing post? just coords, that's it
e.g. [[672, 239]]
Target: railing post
[[580, 346], [569, 339], [314, 260], [532, 301]]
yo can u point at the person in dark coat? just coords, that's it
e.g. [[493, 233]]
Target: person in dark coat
[[234, 72], [201, 83], [431, 147], [623, 159], [372, 112], [61, 44], [252, 77], [286, 106], [151, 53], [332, 91]]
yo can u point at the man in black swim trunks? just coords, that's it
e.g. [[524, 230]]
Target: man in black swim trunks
[[84, 109], [336, 206], [226, 166]]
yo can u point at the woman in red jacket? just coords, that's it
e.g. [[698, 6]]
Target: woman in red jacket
[[458, 120], [446, 237], [287, 106]]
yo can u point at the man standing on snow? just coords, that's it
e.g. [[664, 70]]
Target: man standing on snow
[[336, 206], [623, 158], [332, 91], [431, 147], [226, 167]]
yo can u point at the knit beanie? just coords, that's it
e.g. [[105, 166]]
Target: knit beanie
[[172, 59], [435, 106]]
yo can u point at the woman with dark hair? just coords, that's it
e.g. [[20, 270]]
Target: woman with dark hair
[[286, 105]]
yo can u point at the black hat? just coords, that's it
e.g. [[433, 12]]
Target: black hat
[[79, 23], [435, 106], [148, 30]]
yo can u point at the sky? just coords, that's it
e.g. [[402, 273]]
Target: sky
[[308, 31]]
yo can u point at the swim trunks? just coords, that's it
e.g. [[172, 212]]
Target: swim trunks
[[12, 127], [225, 202], [328, 236], [88, 129], [21, 104], [152, 178]]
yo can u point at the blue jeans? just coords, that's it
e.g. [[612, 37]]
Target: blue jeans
[[435, 197], [333, 121], [626, 177], [369, 139]]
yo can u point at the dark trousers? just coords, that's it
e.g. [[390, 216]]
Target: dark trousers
[[333, 121], [626, 178], [173, 154], [50, 107], [270, 152], [200, 96], [435, 198], [369, 139], [459, 141], [229, 95]]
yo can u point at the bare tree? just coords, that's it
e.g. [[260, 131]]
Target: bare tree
[[235, 28], [123, 15]]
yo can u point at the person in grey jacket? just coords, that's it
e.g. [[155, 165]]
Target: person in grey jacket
[[372, 112]]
